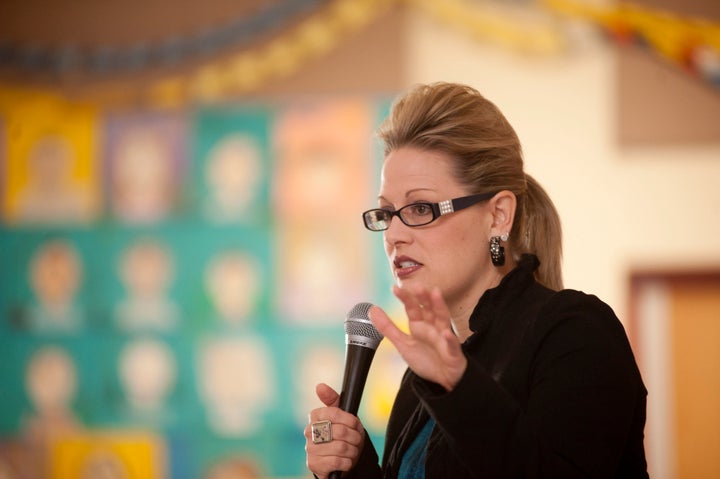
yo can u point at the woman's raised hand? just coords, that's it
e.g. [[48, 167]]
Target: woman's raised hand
[[430, 348]]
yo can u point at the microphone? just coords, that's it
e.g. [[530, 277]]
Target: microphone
[[361, 340]]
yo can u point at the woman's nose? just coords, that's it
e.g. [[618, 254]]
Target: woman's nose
[[397, 232]]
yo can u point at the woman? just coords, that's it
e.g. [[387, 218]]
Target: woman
[[509, 375]]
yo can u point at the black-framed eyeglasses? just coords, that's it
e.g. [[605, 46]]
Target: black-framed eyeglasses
[[421, 213]]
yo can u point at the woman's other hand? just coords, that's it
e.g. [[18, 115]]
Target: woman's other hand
[[348, 436]]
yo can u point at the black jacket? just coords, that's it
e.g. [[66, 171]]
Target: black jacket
[[551, 390]]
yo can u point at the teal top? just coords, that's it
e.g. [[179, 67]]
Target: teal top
[[413, 461]]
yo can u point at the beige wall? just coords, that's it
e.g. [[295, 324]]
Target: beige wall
[[621, 208]]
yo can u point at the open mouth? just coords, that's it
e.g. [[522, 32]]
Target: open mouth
[[405, 266]]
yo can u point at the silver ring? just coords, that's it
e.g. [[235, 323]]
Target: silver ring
[[321, 432]]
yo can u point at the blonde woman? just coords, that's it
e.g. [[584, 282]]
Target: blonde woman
[[509, 374]]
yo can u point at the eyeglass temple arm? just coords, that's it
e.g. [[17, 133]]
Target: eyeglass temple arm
[[461, 203]]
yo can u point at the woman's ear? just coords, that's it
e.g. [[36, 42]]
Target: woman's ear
[[503, 206]]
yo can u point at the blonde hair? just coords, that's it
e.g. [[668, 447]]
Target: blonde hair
[[458, 120]]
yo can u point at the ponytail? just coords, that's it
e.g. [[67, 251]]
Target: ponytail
[[537, 230]]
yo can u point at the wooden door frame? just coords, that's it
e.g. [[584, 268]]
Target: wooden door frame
[[650, 297]]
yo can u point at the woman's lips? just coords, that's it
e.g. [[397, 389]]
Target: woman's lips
[[405, 266]]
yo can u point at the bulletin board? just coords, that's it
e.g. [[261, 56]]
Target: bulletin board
[[173, 284]]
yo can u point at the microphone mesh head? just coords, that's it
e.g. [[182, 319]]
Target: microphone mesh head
[[360, 311], [359, 329]]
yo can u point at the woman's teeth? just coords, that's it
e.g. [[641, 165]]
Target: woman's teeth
[[407, 264]]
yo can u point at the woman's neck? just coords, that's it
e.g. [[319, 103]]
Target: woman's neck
[[462, 329], [462, 309]]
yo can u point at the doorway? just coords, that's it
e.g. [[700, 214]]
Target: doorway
[[675, 320]]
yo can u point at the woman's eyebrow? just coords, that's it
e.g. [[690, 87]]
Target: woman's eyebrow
[[408, 193]]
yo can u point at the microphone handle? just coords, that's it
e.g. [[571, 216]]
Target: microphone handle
[[357, 365]]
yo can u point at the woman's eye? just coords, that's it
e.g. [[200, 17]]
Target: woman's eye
[[421, 209]]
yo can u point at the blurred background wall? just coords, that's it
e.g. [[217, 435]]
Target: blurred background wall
[[181, 184]]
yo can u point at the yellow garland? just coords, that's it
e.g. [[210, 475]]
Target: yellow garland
[[671, 35], [283, 56], [512, 29]]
